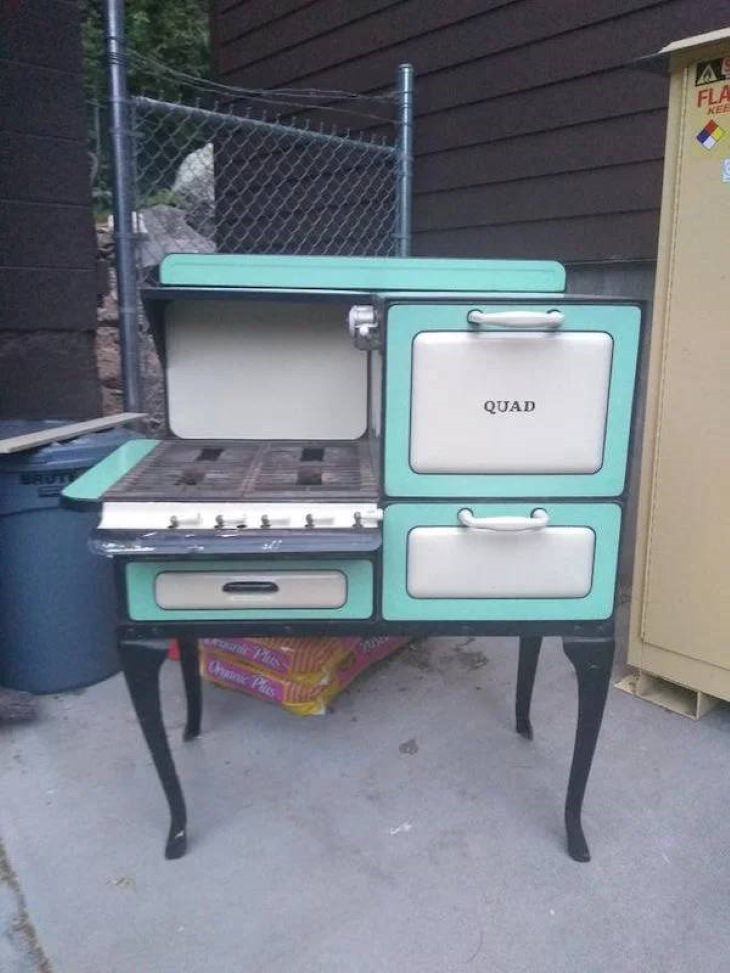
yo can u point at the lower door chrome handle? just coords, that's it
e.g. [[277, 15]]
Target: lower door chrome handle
[[250, 587], [537, 521], [519, 320]]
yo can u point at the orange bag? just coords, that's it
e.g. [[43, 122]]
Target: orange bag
[[310, 680]]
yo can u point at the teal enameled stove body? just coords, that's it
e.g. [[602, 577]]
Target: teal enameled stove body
[[374, 445]]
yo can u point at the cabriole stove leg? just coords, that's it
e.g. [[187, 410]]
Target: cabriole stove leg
[[191, 677], [527, 667], [592, 659], [141, 663]]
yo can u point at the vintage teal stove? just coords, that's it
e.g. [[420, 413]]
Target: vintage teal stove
[[373, 445]]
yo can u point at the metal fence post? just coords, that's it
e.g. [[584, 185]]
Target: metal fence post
[[123, 203], [404, 147]]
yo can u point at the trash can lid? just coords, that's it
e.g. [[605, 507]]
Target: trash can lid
[[83, 451]]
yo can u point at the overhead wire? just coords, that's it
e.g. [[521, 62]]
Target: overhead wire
[[307, 98]]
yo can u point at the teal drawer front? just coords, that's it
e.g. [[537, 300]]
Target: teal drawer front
[[249, 590], [493, 412], [437, 569]]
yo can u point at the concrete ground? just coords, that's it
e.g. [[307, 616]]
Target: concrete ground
[[411, 830]]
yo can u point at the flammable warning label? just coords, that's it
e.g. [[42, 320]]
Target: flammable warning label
[[708, 72], [715, 99], [710, 135]]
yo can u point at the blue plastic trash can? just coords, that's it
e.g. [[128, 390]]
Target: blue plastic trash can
[[57, 610]]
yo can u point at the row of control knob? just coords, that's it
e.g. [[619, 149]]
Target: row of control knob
[[265, 522]]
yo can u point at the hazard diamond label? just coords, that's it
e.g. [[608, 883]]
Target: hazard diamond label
[[710, 135]]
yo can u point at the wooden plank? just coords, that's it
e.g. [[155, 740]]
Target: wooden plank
[[237, 17], [221, 6], [294, 24], [612, 44], [32, 440], [615, 236], [42, 102], [41, 169], [492, 56], [516, 94], [430, 35], [45, 33], [607, 95], [52, 300], [38, 235], [632, 138], [612, 189]]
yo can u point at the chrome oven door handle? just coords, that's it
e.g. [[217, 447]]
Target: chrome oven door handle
[[537, 521], [518, 320]]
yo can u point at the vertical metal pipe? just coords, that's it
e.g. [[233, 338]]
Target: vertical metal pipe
[[123, 203], [404, 177]]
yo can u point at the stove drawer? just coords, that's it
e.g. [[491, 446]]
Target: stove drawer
[[529, 561], [251, 589], [509, 400], [255, 589]]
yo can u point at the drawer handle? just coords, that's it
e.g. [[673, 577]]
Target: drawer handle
[[250, 587], [529, 320], [537, 521]]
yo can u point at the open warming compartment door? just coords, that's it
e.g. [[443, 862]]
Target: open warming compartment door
[[248, 369]]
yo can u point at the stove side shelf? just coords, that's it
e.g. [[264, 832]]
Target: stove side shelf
[[89, 488]]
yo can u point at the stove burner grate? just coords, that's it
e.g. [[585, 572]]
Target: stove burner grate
[[208, 471]]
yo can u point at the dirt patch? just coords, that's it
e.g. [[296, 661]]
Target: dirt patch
[[16, 929], [419, 655], [470, 658]]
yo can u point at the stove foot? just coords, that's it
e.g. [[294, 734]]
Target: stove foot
[[577, 844], [527, 667], [593, 660], [141, 663], [190, 666], [177, 843]]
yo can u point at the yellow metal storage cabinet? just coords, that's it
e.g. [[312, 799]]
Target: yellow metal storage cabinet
[[680, 620]]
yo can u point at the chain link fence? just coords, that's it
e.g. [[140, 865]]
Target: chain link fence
[[233, 170], [211, 181]]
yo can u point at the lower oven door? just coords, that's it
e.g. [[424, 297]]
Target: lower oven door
[[249, 590], [500, 561]]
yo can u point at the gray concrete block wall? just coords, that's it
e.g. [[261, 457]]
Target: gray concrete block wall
[[48, 276], [48, 374]]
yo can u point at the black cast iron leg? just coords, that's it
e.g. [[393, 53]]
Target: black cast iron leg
[[593, 659], [191, 678], [141, 664], [529, 654]]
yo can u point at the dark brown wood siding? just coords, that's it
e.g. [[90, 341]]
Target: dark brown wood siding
[[534, 135], [47, 241]]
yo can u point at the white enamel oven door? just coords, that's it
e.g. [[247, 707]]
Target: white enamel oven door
[[532, 401], [528, 561]]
